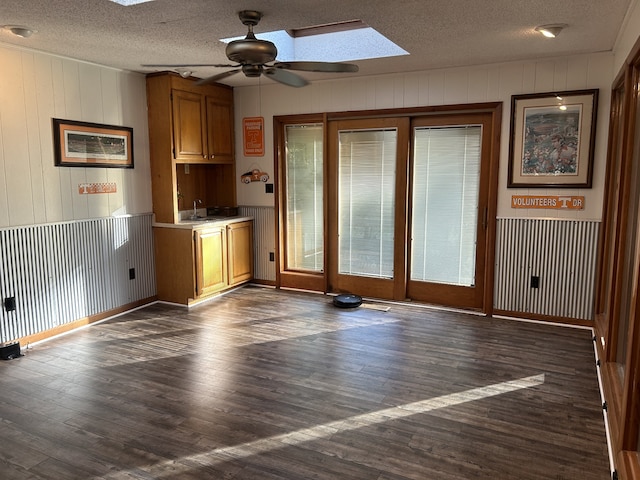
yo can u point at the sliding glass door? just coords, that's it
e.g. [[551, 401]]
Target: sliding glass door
[[447, 236], [391, 207], [369, 159]]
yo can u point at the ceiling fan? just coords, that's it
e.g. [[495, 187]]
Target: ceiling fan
[[255, 57]]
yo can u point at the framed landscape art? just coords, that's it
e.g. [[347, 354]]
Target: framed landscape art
[[552, 139]]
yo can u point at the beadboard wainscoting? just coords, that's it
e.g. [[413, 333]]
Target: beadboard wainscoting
[[264, 242], [546, 267], [56, 274]]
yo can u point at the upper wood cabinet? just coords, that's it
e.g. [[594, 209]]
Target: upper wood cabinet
[[220, 139], [202, 127], [189, 125]]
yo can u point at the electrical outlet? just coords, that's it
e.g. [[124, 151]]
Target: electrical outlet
[[132, 274], [10, 304], [272, 257], [535, 281], [268, 188]]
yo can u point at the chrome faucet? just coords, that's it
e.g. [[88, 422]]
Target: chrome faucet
[[195, 208]]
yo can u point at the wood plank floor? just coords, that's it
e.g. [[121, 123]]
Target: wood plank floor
[[267, 384]]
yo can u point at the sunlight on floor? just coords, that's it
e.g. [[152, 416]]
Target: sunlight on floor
[[192, 462], [149, 346]]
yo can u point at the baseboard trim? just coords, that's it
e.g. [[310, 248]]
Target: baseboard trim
[[82, 322]]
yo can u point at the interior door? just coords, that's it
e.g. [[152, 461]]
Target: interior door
[[450, 171], [367, 206]]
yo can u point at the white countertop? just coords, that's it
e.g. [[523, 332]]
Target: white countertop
[[205, 222]]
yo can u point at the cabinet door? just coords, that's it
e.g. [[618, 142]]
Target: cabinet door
[[211, 260], [240, 243], [220, 131], [189, 133]]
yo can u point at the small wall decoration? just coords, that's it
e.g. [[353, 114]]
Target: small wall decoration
[[81, 144], [549, 202], [254, 175], [552, 139], [253, 136], [94, 188]]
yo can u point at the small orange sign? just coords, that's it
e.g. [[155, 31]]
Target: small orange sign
[[253, 135], [93, 188], [553, 202]]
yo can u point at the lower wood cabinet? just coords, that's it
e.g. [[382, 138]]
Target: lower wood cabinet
[[211, 260], [192, 264], [240, 248]]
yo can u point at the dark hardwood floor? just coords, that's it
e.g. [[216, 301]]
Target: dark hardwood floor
[[267, 384]]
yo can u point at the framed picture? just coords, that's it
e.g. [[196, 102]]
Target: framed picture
[[552, 138], [81, 144]]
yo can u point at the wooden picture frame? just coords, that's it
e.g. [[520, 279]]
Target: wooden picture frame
[[552, 139], [82, 144]]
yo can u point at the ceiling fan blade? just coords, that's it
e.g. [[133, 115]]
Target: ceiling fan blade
[[186, 65], [288, 78], [215, 78], [318, 66]]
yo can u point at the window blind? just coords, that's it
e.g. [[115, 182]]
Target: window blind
[[366, 202], [304, 197], [445, 204]]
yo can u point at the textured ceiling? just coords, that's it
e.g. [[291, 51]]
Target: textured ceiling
[[436, 33]]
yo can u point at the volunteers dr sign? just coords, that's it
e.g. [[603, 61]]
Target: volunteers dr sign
[[554, 202]]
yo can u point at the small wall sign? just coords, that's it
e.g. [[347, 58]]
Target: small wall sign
[[253, 136], [93, 188], [552, 202]]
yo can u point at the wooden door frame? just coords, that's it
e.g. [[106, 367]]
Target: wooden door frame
[[439, 293], [621, 395], [613, 214], [285, 277], [318, 282], [394, 289]]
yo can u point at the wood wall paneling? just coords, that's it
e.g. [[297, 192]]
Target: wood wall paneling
[[39, 88], [439, 87]]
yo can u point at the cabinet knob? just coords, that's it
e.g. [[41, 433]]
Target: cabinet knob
[[213, 156], [204, 156]]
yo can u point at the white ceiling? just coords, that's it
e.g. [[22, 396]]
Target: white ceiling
[[436, 33]]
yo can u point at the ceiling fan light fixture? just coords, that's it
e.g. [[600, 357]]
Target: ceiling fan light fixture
[[252, 70], [251, 50], [20, 30], [551, 31]]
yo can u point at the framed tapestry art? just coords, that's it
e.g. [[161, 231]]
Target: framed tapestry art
[[82, 144], [552, 139]]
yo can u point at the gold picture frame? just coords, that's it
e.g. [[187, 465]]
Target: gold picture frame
[[82, 144], [552, 139]]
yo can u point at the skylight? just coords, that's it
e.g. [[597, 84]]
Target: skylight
[[342, 42], [128, 3]]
